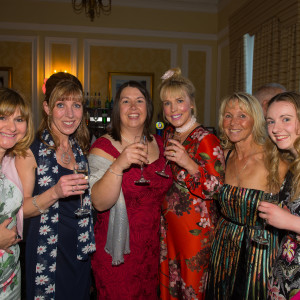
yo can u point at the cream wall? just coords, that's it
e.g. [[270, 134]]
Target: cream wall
[[129, 40]]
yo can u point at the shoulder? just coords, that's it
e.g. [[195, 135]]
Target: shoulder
[[102, 146], [102, 142], [200, 134]]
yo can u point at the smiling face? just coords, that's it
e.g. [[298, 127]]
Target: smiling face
[[283, 125], [12, 130], [177, 108], [65, 116], [237, 124], [133, 109]]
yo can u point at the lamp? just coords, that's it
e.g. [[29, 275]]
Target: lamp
[[92, 7]]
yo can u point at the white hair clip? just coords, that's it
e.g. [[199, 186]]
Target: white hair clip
[[167, 75]]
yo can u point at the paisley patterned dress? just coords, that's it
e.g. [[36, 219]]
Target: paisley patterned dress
[[284, 282], [11, 198], [239, 267], [188, 219]]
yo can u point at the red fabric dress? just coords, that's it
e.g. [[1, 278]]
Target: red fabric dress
[[188, 219], [138, 277]]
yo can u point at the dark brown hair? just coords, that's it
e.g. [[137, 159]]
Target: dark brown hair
[[115, 126]]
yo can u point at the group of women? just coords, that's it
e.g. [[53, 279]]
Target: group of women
[[194, 233]]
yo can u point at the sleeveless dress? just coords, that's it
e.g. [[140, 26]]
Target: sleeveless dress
[[11, 199], [137, 278], [239, 267], [72, 276], [189, 215], [284, 282]]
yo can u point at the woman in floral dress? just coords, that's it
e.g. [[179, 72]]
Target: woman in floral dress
[[283, 121], [59, 243], [16, 134], [188, 213]]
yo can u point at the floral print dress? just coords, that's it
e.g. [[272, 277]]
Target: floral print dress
[[188, 218], [284, 282], [11, 198]]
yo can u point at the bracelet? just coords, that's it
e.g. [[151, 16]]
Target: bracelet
[[111, 171], [42, 211]]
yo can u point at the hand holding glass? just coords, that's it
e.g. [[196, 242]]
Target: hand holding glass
[[82, 168], [169, 136], [142, 140], [259, 235]]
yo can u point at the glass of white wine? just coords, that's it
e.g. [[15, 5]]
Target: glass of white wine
[[142, 140], [169, 136], [82, 168]]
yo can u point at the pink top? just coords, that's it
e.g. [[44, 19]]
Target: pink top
[[10, 171]]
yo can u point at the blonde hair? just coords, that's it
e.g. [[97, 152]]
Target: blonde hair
[[274, 154], [65, 90], [10, 101], [174, 84], [252, 107]]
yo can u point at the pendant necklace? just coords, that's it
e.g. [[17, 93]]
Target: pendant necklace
[[66, 157], [243, 168]]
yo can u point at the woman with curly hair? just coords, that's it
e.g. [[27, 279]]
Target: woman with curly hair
[[239, 266], [188, 213], [283, 123]]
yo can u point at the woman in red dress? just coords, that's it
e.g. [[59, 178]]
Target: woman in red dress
[[126, 261], [189, 212]]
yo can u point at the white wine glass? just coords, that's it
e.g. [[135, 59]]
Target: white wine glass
[[259, 234], [142, 140], [82, 168], [169, 136]]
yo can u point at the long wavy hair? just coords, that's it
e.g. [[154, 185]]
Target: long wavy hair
[[10, 101], [252, 107], [275, 155], [65, 90], [114, 129]]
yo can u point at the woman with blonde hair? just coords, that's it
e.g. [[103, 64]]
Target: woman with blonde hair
[[188, 213], [283, 123], [16, 135], [239, 265]]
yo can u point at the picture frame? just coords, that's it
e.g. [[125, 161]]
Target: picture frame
[[116, 79], [6, 77]]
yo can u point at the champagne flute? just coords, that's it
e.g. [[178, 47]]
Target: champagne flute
[[169, 135], [82, 168], [142, 140], [259, 234]]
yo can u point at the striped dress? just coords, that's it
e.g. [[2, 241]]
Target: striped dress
[[239, 267]]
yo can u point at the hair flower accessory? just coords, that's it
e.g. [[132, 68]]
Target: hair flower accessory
[[44, 86], [167, 75]]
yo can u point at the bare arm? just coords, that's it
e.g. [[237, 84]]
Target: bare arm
[[106, 191], [63, 188]]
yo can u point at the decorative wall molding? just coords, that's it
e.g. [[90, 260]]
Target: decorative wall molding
[[109, 31], [218, 93], [116, 43], [34, 65], [208, 72], [48, 49]]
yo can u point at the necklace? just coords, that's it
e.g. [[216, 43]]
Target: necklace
[[123, 138], [243, 168], [186, 126], [66, 157]]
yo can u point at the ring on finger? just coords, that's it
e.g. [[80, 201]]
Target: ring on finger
[[173, 154], [72, 188]]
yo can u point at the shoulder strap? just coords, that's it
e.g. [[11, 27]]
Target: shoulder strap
[[227, 156]]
